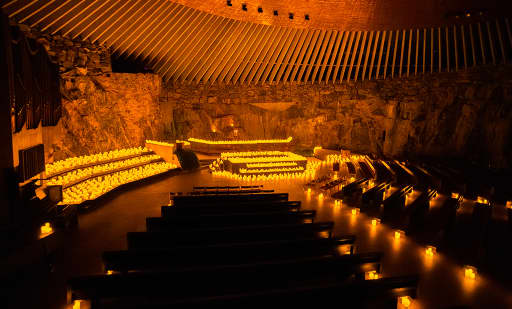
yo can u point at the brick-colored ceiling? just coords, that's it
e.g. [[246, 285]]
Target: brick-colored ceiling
[[187, 43], [354, 14]]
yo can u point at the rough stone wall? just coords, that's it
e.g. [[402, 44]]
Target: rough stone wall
[[105, 112], [75, 57], [466, 115]]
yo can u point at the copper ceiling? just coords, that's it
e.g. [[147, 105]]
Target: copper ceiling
[[182, 43]]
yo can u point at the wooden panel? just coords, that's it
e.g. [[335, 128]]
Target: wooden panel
[[381, 50], [361, 51]]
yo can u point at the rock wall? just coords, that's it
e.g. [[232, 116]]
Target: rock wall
[[465, 115], [75, 57], [105, 112]]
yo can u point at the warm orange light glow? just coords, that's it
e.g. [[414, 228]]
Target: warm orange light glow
[[316, 149], [159, 143], [455, 195], [482, 200], [271, 170], [344, 249], [371, 275], [430, 251], [83, 173], [271, 164], [405, 301], [337, 203], [470, 272], [76, 304], [355, 211], [309, 190], [74, 162], [509, 204], [109, 272], [46, 229], [399, 234], [262, 141], [97, 186], [375, 222], [320, 196]]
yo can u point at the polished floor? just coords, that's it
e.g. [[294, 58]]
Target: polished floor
[[104, 227]]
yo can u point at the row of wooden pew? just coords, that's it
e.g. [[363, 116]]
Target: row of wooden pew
[[239, 249]]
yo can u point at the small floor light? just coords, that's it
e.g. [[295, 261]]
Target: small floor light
[[371, 275], [375, 222], [109, 272], [404, 301], [355, 211], [470, 272], [509, 204], [455, 195], [399, 234], [309, 190], [76, 304], [46, 229], [430, 251]]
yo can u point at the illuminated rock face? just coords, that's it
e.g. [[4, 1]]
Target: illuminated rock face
[[455, 114], [106, 112]]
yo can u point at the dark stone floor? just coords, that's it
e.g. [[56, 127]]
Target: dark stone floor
[[104, 227]]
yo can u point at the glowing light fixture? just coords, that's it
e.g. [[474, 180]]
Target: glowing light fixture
[[355, 211], [76, 304], [470, 272], [320, 196], [371, 275], [509, 204], [263, 141], [482, 200], [430, 251], [399, 234], [375, 222], [46, 229], [405, 301], [455, 195]]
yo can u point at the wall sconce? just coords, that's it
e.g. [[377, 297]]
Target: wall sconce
[[260, 9], [244, 6]]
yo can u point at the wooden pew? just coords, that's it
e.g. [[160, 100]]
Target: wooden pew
[[351, 168], [236, 219], [366, 170], [394, 205], [374, 194], [174, 236], [229, 198], [352, 187], [222, 254], [212, 281], [249, 207], [416, 214], [382, 293]]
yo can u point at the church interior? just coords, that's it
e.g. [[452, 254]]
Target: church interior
[[180, 153]]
